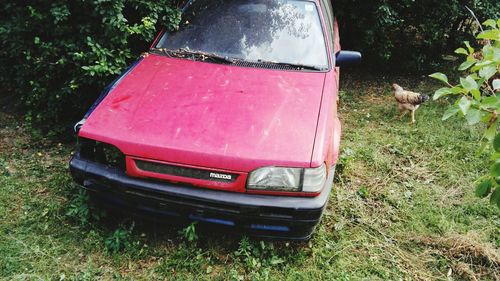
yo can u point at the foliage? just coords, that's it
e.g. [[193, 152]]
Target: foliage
[[118, 241], [58, 55], [478, 99], [258, 258], [81, 210], [189, 232], [408, 34]]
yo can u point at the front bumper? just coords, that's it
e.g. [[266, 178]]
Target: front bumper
[[279, 217]]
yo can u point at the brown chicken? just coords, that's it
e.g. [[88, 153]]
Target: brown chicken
[[408, 101]]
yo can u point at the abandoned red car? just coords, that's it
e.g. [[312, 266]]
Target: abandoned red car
[[231, 120]]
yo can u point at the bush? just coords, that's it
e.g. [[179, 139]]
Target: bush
[[477, 98], [408, 34], [58, 55]]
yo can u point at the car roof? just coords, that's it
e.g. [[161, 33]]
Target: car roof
[[315, 1]]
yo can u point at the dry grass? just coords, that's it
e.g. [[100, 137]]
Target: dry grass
[[471, 259]]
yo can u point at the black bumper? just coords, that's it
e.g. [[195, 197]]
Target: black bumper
[[257, 215]]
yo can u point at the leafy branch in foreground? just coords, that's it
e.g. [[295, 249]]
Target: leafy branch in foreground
[[478, 99]]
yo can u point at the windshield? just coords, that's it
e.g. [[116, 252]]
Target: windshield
[[254, 30]]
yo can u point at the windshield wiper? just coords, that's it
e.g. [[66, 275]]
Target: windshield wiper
[[205, 56], [195, 55], [295, 65]]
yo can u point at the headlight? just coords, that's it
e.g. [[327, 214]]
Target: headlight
[[100, 152], [288, 179]]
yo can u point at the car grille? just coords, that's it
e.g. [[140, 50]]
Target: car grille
[[186, 172]]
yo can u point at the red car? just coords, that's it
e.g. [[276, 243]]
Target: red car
[[231, 120]]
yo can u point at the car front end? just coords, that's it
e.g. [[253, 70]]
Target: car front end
[[271, 216], [226, 126]]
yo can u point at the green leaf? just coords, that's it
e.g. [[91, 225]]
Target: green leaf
[[452, 111], [484, 188], [276, 261], [489, 52], [495, 170], [491, 23], [486, 118], [461, 51], [464, 105], [466, 65], [484, 63], [473, 116], [363, 192], [467, 44], [496, 84], [496, 143], [440, 76], [476, 94], [468, 83], [490, 133], [490, 102], [495, 197], [490, 35], [458, 90], [442, 92], [487, 72]]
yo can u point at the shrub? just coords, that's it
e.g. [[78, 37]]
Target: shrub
[[478, 99], [58, 55]]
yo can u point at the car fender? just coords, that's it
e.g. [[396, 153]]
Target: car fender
[[328, 131]]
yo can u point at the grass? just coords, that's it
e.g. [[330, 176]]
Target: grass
[[403, 209]]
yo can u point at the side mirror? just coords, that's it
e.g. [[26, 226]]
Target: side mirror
[[344, 58]]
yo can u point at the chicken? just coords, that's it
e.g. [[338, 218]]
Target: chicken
[[408, 101]]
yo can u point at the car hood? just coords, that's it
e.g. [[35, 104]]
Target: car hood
[[211, 115]]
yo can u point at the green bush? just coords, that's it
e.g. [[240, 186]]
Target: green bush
[[408, 34], [58, 55], [477, 99]]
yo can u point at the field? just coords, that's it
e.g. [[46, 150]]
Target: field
[[403, 209]]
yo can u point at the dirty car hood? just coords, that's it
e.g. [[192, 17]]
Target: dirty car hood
[[211, 115]]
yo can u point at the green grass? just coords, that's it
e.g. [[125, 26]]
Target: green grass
[[403, 208]]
